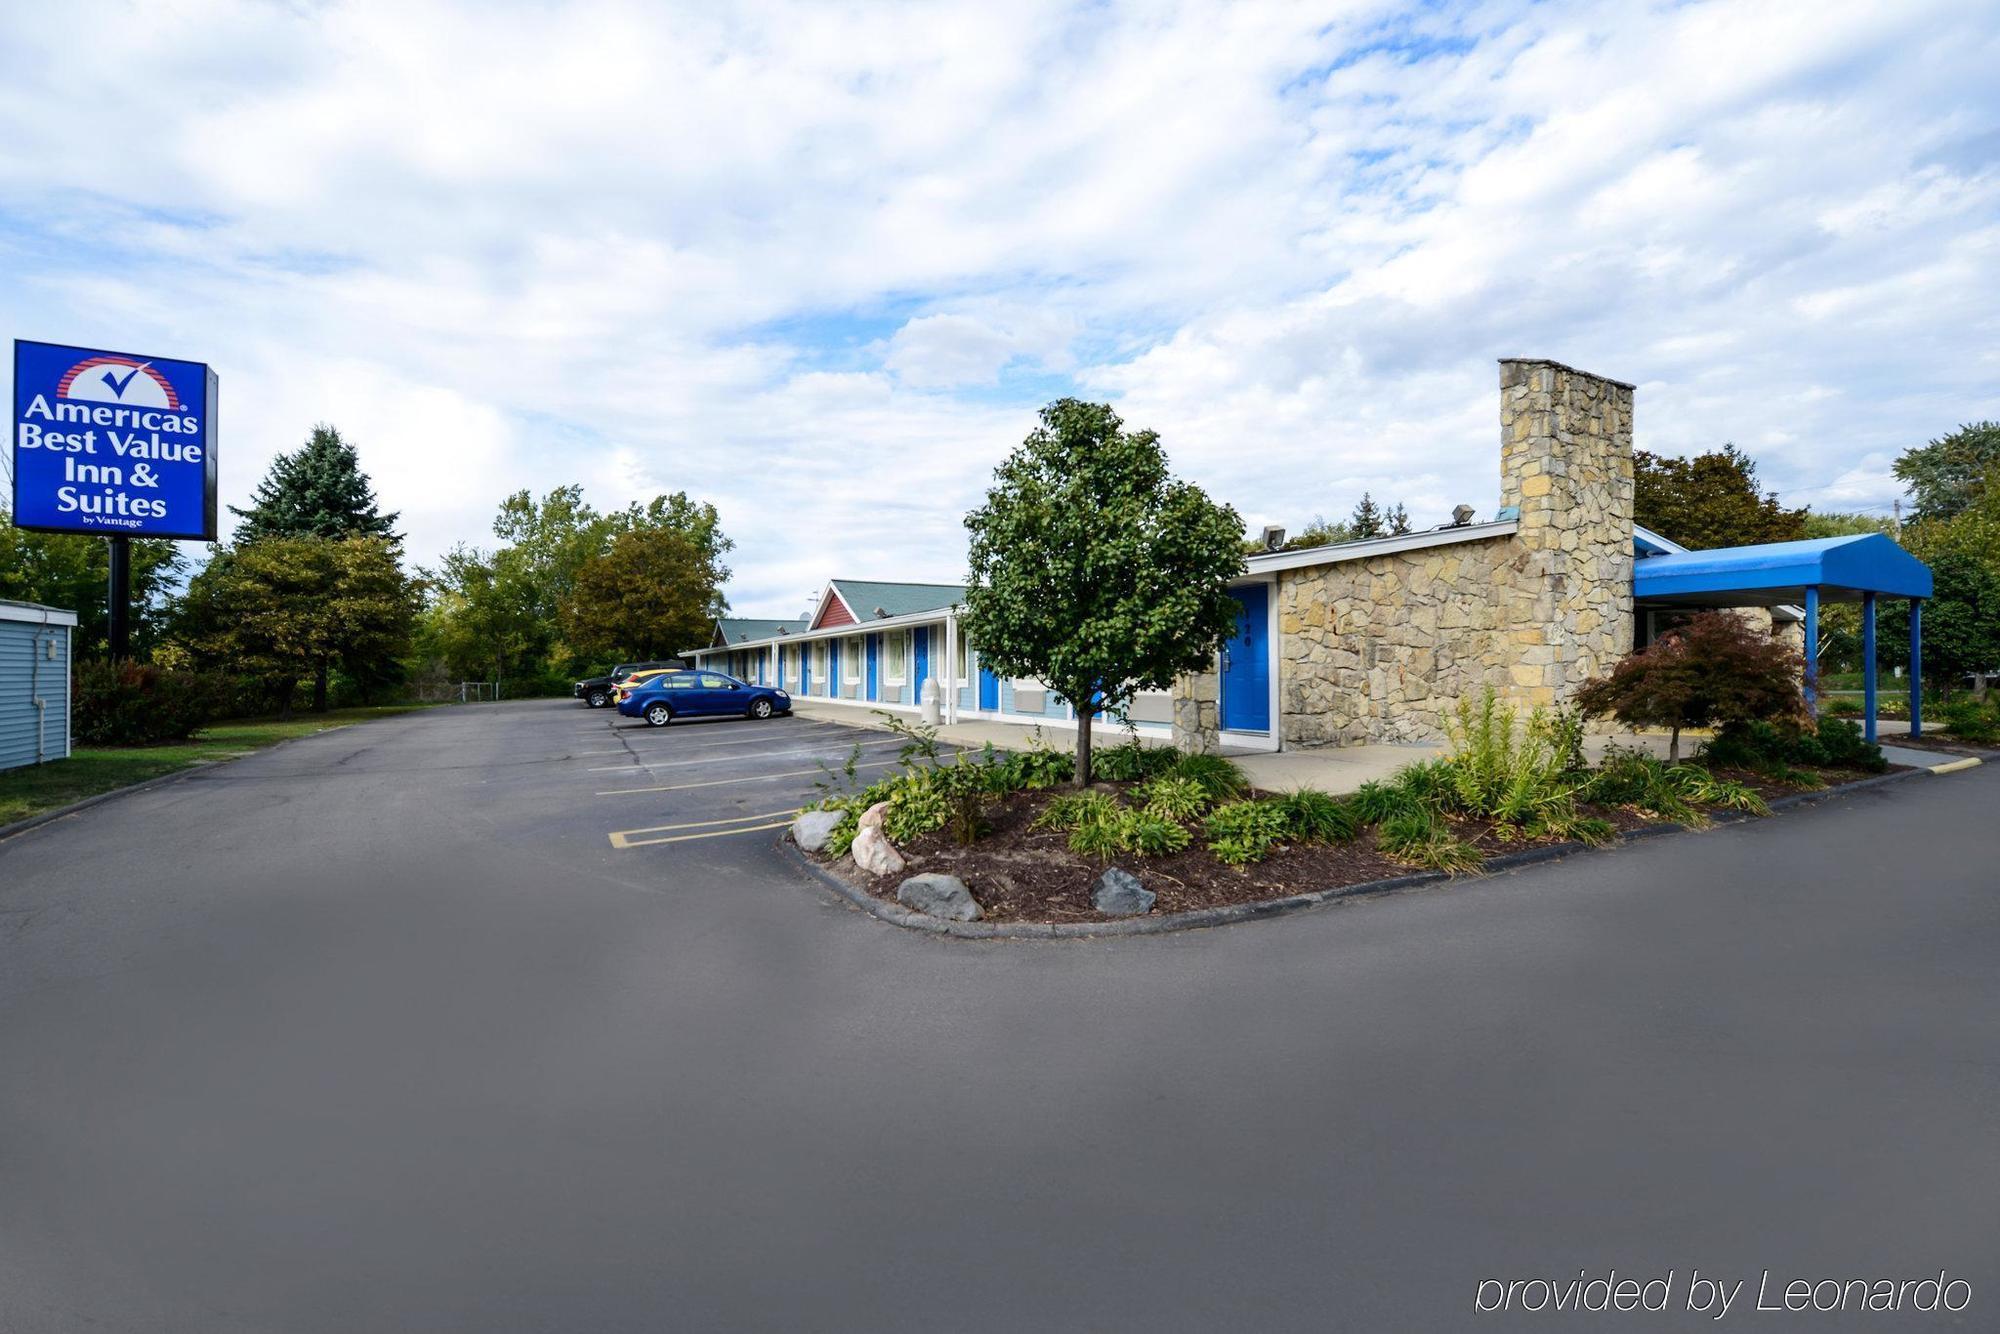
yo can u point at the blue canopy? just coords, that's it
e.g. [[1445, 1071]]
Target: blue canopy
[[1777, 573]]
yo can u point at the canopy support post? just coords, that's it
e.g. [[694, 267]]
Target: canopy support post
[[1812, 652], [1916, 666], [1868, 662]]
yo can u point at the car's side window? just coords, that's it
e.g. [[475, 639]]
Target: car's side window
[[710, 681], [677, 682]]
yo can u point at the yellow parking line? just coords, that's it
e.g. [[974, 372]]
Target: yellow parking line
[[754, 778], [630, 838]]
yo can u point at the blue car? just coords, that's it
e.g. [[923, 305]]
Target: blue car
[[661, 699]]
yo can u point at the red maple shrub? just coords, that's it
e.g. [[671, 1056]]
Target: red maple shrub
[[1714, 670]]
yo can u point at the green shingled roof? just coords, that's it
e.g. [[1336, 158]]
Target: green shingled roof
[[740, 629], [863, 596]]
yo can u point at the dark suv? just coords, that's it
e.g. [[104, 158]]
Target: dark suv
[[598, 690]]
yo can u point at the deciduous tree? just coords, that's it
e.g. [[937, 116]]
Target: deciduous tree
[[1710, 500], [73, 571], [1951, 473], [286, 608], [654, 593], [1094, 569]]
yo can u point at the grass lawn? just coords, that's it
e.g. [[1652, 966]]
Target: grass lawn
[[90, 770]]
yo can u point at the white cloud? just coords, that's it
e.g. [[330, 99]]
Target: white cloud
[[820, 264]]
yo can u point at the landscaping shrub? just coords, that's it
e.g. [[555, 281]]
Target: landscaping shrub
[[1131, 762], [1037, 768], [1375, 801], [1150, 836], [1218, 777], [1315, 817], [1970, 720], [1676, 792], [1426, 783], [1246, 831], [1073, 810], [136, 704], [1173, 797], [1702, 788], [1846, 747], [1500, 768], [1102, 839], [1418, 836], [1772, 749]]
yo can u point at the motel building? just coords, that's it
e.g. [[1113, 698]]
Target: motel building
[[1376, 640]]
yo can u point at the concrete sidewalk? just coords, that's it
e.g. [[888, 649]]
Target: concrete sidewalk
[[1334, 769]]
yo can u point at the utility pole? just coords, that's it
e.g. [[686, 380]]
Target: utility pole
[[121, 598]]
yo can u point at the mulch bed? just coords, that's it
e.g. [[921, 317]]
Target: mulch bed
[[1022, 874]]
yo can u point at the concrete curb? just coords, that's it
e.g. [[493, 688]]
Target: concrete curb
[[8, 831], [1245, 912]]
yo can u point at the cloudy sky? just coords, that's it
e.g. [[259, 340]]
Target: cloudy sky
[[821, 262]]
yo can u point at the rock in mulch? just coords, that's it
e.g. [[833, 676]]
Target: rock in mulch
[[872, 817], [875, 854], [1117, 893], [939, 896], [812, 829]]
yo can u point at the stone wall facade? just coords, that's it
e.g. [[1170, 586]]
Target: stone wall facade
[[1381, 648]]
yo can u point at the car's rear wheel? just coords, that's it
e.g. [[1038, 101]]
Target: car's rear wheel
[[597, 699], [760, 708], [658, 715]]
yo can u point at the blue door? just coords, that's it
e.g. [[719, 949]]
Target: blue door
[[874, 651], [1246, 663], [833, 668], [805, 669], [921, 638], [989, 691]]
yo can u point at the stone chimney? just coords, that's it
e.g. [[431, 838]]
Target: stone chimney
[[1566, 465]]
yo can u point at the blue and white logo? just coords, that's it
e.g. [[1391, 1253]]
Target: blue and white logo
[[110, 443]]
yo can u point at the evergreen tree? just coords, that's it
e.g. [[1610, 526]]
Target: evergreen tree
[[318, 491], [1397, 520], [1366, 521]]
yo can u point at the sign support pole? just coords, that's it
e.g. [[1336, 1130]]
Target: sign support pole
[[121, 598]]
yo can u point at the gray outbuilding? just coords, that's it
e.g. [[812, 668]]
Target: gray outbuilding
[[34, 683]]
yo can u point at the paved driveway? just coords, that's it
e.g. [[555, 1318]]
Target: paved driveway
[[384, 1030]]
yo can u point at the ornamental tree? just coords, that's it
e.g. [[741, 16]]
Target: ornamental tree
[[1094, 569], [1715, 669]]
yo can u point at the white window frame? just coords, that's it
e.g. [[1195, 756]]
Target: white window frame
[[853, 654], [895, 663]]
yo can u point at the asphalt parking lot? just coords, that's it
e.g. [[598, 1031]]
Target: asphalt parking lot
[[727, 778], [515, 1018]]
